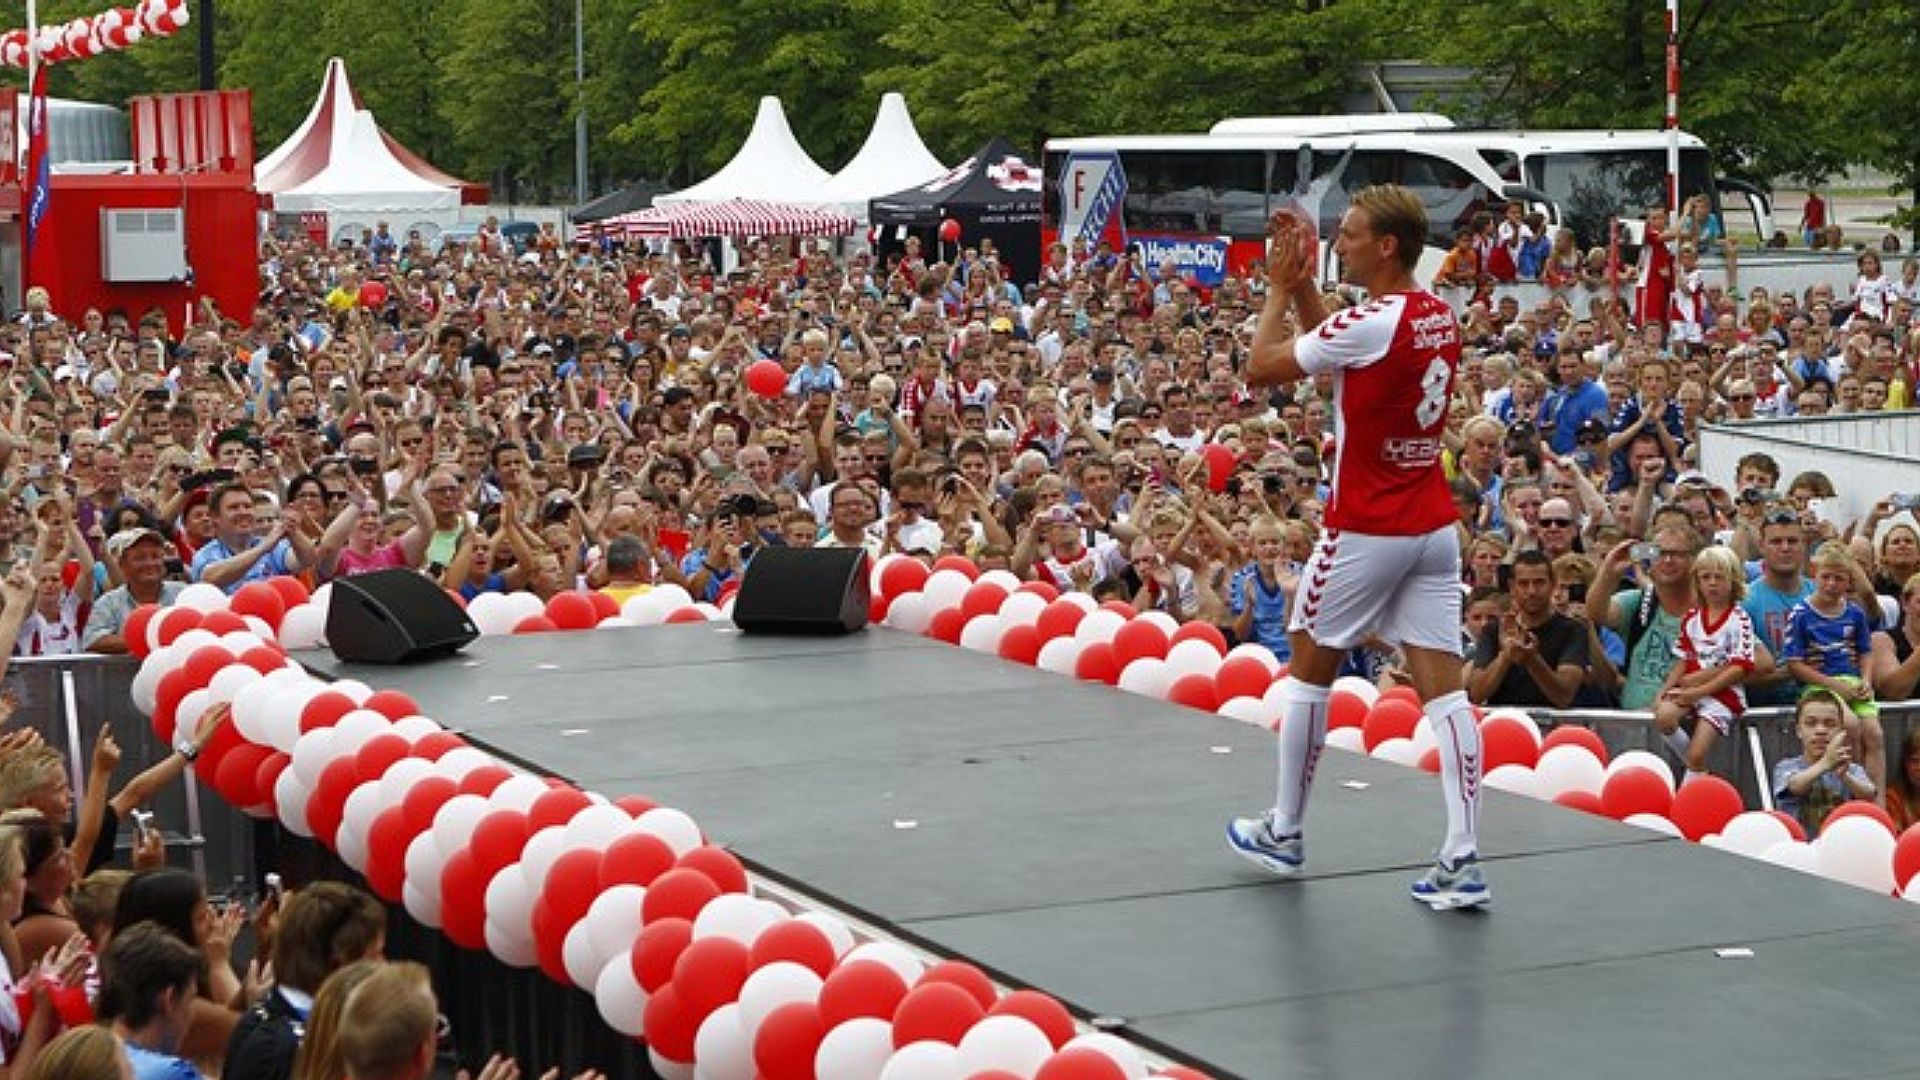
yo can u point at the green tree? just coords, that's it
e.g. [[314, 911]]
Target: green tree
[[275, 58], [393, 53], [508, 97], [621, 67], [1862, 88]]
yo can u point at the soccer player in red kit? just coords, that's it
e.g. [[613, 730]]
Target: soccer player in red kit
[[1388, 561]]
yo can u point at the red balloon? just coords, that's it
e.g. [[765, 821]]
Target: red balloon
[[1704, 805], [1042, 589], [1242, 676], [862, 988], [173, 686], [1906, 856], [291, 589], [767, 379], [802, 943], [572, 611], [959, 563], [966, 977], [939, 1011], [1389, 719], [222, 742], [670, 1026], [1198, 630], [260, 600], [1794, 828], [237, 776], [657, 950], [1121, 608], [1058, 619], [1220, 466], [719, 865], [264, 659], [1020, 644], [373, 294], [1430, 760], [205, 663], [175, 621], [380, 752], [946, 625], [1097, 663], [498, 840], [434, 745], [572, 884], [1041, 1010], [550, 942], [1587, 801], [604, 606], [387, 841], [949, 231], [391, 704], [688, 614], [1575, 735], [877, 606], [325, 710], [678, 893], [903, 576], [634, 859], [222, 623], [635, 805], [788, 1040], [1195, 691], [135, 630], [424, 799], [1139, 639], [1861, 808], [483, 780], [1507, 741], [1080, 1063], [535, 624], [710, 973], [1346, 709], [329, 799], [556, 806], [463, 891], [270, 769], [1635, 791], [1411, 696], [983, 598]]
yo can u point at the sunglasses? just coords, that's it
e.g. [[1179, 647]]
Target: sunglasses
[[1556, 523], [1781, 517]]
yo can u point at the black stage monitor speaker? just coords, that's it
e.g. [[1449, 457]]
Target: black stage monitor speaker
[[394, 617], [803, 591]]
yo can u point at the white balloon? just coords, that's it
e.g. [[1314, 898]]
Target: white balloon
[[672, 597], [518, 792], [597, 827], [879, 568], [1022, 608], [415, 728], [1061, 655], [227, 683], [1401, 752], [424, 908], [614, 919], [1002, 578], [672, 827], [1753, 832], [1080, 600], [721, 1046], [259, 628], [1275, 697], [304, 627], [1349, 739], [1568, 767], [1099, 625], [1424, 739], [250, 707], [1911, 893], [1192, 657], [146, 684], [668, 1069], [400, 778], [839, 934], [456, 763], [1517, 779], [579, 956], [1167, 623], [357, 727], [311, 755], [909, 613], [1518, 716], [618, 996], [1147, 677], [187, 714], [614, 622], [737, 916], [709, 612], [290, 796], [509, 902], [239, 641], [1654, 823], [944, 588], [322, 598], [779, 983], [855, 1050], [351, 847], [492, 615], [1358, 687], [453, 823], [896, 956], [1641, 759], [201, 597], [423, 863], [511, 947], [928, 1059], [352, 689], [1794, 855], [543, 849], [364, 804], [1857, 850], [1004, 1042], [1258, 652], [983, 633], [1116, 1049]]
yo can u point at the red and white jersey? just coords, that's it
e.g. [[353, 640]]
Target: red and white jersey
[[1706, 645], [1392, 362]]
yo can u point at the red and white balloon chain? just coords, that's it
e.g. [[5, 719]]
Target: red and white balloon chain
[[85, 37]]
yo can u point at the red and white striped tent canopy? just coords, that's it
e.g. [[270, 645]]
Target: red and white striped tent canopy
[[734, 217]]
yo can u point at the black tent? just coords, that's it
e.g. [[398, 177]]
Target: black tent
[[994, 193], [638, 196]]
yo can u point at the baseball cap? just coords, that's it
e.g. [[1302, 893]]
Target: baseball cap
[[1101, 374], [1591, 428], [543, 349], [1692, 478], [120, 542], [911, 341], [1001, 325]]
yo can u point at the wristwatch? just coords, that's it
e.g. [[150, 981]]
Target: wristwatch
[[187, 749]]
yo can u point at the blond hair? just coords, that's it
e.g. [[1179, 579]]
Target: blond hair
[[1833, 555], [25, 771], [81, 1053], [386, 1022], [1723, 558], [319, 1055], [1395, 211]]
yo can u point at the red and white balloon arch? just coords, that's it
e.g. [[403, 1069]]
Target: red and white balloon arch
[[90, 36]]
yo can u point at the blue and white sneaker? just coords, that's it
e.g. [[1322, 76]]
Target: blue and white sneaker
[[1447, 888], [1255, 840]]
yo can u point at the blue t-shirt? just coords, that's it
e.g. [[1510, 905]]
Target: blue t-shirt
[[280, 562], [1832, 644], [1566, 410], [153, 1065], [1768, 607], [1822, 799], [1270, 610]]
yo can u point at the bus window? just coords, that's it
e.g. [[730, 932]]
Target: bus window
[[1207, 193], [1592, 187], [1451, 195]]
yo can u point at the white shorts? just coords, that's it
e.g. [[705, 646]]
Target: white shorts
[[1404, 590], [1714, 711]]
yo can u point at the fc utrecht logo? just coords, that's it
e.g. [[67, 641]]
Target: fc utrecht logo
[[1012, 174]]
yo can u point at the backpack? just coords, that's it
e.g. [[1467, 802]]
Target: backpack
[[1642, 620]]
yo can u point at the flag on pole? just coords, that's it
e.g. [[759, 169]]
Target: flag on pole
[[39, 174]]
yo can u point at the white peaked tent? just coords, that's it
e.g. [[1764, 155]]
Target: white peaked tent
[[892, 159], [770, 166], [340, 161]]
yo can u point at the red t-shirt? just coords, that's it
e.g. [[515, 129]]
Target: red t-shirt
[[1393, 362]]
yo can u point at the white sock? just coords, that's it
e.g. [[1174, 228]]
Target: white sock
[[1460, 763], [1692, 775], [1678, 741], [1303, 732]]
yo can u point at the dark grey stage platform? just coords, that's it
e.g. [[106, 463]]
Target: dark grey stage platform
[[1069, 837]]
